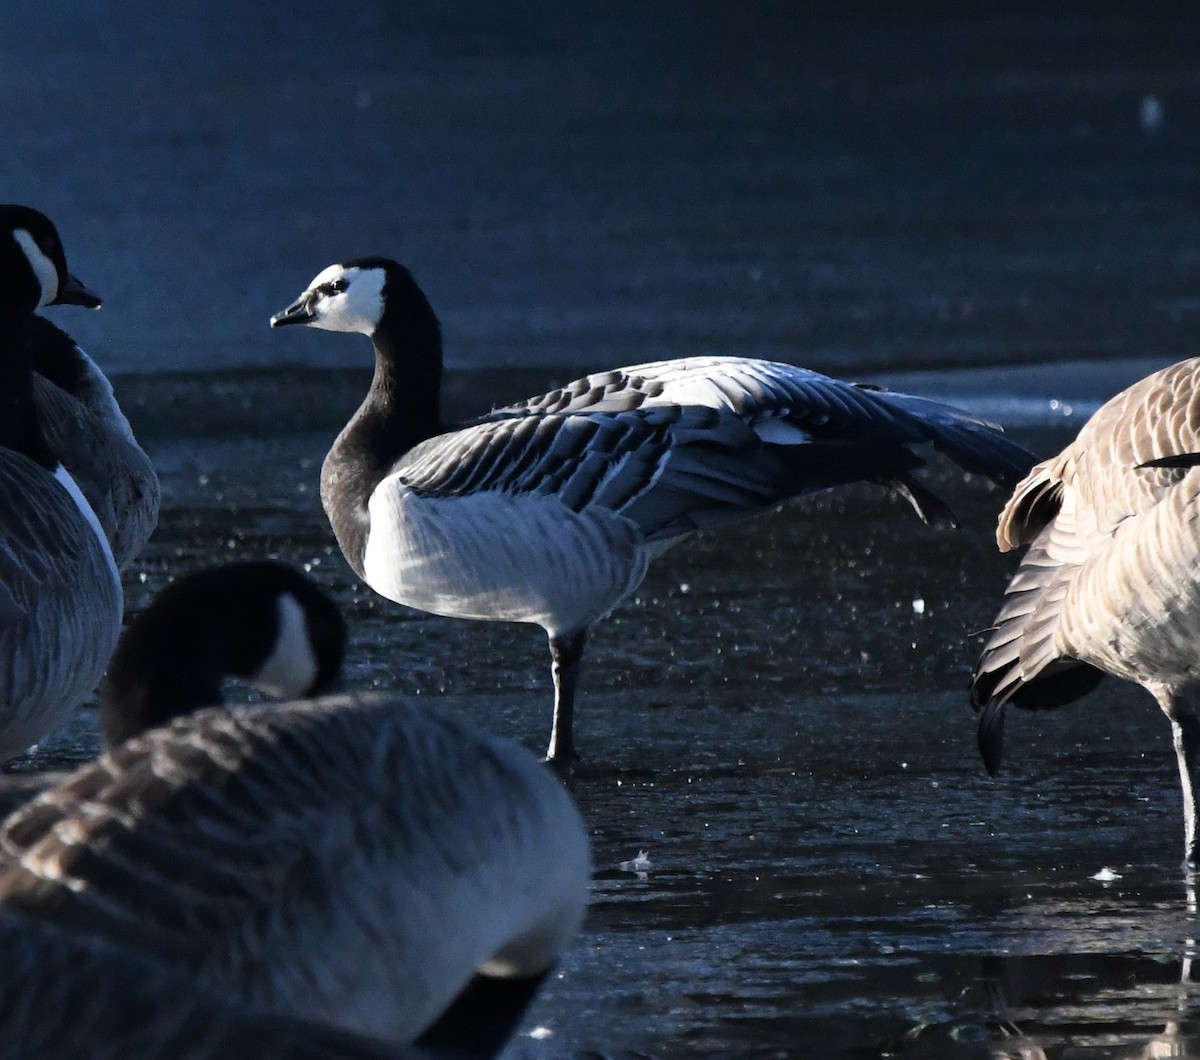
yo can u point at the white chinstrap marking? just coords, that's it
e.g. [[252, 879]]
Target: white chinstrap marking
[[289, 671], [43, 268]]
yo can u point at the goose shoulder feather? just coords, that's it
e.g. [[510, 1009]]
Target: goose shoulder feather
[[353, 859], [87, 430]]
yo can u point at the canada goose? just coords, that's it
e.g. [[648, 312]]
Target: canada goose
[[1110, 583], [60, 593], [67, 996], [359, 861], [550, 511], [86, 429], [260, 622]]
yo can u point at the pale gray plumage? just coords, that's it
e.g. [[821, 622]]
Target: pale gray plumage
[[1110, 583], [87, 430], [351, 860], [550, 511]]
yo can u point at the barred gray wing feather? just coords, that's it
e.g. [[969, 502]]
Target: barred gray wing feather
[[758, 391], [669, 469]]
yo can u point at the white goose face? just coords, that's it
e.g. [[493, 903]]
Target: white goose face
[[341, 298]]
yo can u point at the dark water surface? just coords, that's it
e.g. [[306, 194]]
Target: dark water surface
[[797, 851], [779, 720]]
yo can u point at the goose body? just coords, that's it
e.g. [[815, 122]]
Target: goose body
[[550, 511], [1110, 582], [67, 996], [86, 429], [60, 592], [362, 862]]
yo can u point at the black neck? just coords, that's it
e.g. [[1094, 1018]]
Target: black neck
[[19, 427], [55, 355], [401, 410], [132, 702]]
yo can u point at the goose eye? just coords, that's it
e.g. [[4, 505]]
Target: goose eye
[[333, 287]]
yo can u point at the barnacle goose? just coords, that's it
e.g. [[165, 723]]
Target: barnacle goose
[[550, 511], [1110, 581]]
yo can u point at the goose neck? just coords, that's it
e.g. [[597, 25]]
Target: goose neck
[[19, 427]]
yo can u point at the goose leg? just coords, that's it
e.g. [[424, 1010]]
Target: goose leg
[[565, 652], [1185, 728]]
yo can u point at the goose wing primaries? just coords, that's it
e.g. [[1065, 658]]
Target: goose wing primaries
[[677, 446]]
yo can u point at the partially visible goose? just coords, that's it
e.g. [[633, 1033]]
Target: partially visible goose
[[60, 593], [67, 996], [1110, 583], [550, 511], [358, 861], [261, 622], [87, 430]]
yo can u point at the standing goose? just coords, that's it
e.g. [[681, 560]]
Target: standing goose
[[86, 429], [1110, 583], [551, 510], [60, 593], [359, 861]]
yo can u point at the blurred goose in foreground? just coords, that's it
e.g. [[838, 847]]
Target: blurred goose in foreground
[[550, 511], [260, 622], [86, 429], [359, 861], [1110, 583], [60, 593], [65, 996]]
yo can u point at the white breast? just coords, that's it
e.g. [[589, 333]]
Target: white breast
[[500, 557]]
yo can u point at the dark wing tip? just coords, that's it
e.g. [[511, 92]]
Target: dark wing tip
[[990, 736]]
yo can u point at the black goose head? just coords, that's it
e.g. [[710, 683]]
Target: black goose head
[[33, 266], [263, 622]]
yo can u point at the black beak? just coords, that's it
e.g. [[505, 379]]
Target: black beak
[[299, 312], [72, 292]]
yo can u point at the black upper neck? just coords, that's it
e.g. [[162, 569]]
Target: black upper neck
[[402, 409], [19, 427], [57, 356]]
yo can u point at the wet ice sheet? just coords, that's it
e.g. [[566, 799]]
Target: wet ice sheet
[[786, 736]]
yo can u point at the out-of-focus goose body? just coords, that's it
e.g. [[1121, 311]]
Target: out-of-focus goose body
[[87, 430], [550, 511], [359, 861], [67, 996], [356, 861], [1110, 583], [60, 592]]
